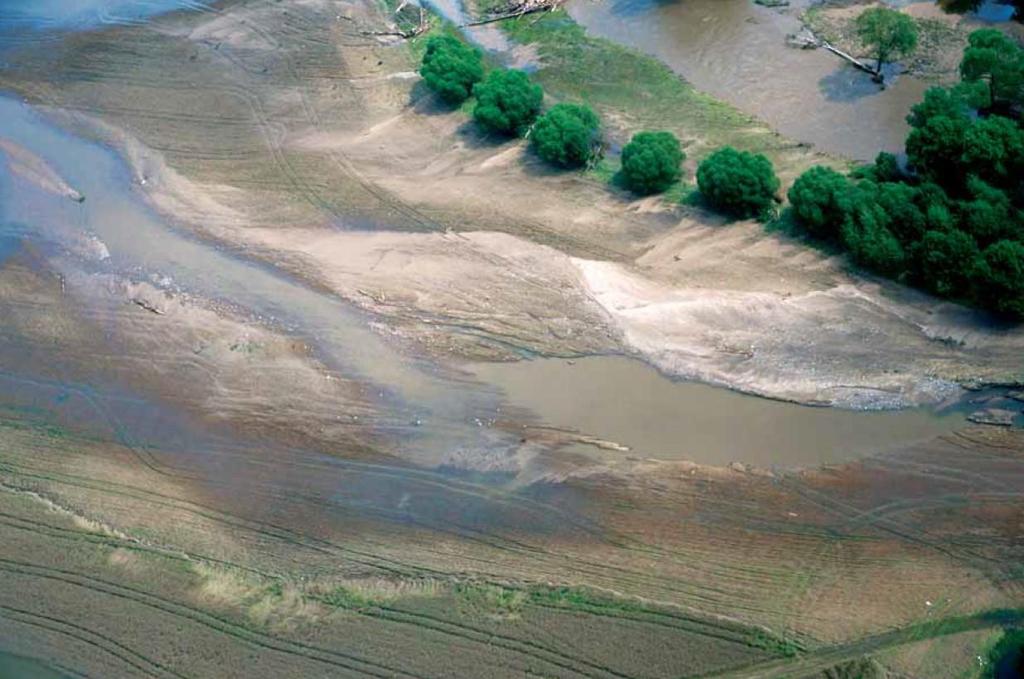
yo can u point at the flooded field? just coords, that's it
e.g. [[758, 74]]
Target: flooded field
[[736, 50], [257, 445]]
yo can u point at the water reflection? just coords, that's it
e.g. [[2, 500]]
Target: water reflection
[[986, 10]]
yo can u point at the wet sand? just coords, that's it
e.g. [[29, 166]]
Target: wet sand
[[297, 237]]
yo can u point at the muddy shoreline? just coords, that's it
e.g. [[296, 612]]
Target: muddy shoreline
[[239, 436]]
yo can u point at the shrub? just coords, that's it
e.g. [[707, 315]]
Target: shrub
[[507, 102], [450, 68], [945, 261], [650, 162], [567, 135], [738, 182], [818, 198], [1000, 278]]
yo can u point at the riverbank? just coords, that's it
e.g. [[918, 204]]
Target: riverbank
[[237, 416], [277, 141]]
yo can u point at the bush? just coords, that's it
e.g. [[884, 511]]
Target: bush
[[507, 102], [818, 198], [1000, 278], [945, 261], [738, 182], [451, 68], [567, 135], [650, 162]]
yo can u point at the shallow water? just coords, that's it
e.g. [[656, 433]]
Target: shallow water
[[18, 667], [626, 401], [435, 415], [736, 51], [114, 218], [82, 14]]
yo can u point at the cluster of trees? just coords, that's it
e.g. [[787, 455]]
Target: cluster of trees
[[953, 222], [508, 103], [567, 135]]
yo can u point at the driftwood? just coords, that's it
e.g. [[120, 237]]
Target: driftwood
[[808, 40], [422, 27], [516, 9], [147, 306]]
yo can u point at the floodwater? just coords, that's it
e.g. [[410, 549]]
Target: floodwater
[[132, 240], [627, 402], [736, 50], [434, 414]]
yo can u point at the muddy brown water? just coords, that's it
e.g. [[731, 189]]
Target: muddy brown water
[[736, 50], [435, 414], [625, 401]]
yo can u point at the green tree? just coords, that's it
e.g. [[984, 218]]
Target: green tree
[[888, 33], [1000, 278], [945, 261], [451, 68], [948, 102], [935, 149], [739, 183], [507, 102], [988, 216], [650, 162], [899, 202], [819, 201], [994, 150], [867, 236], [995, 59], [568, 135]]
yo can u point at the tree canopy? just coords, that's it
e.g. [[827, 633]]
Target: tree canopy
[[451, 68], [568, 135], [955, 223], [889, 34], [819, 201], [650, 162], [738, 182], [507, 102], [993, 58]]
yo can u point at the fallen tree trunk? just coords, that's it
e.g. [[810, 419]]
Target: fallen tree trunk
[[515, 10], [422, 27], [808, 40]]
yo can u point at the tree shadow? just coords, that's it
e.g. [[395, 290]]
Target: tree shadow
[[848, 84], [475, 136], [424, 101]]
